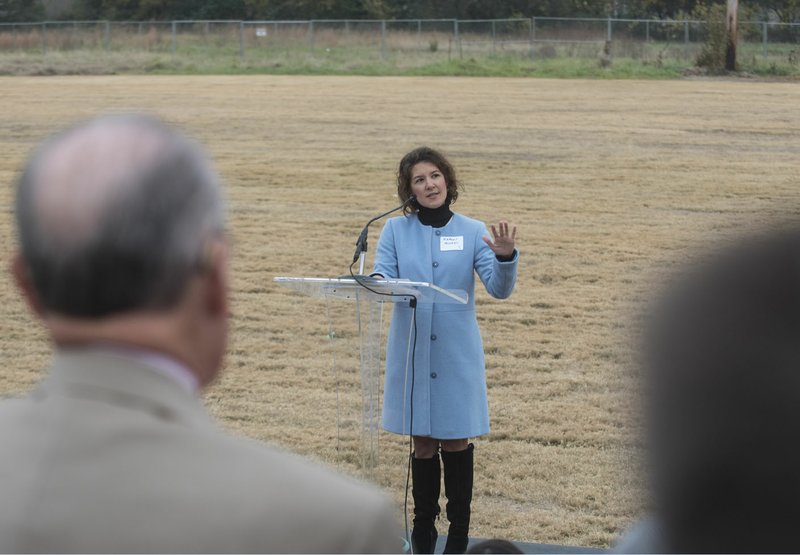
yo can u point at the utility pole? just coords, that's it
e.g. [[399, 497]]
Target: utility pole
[[731, 28]]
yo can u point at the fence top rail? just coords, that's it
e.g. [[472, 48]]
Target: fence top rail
[[278, 22], [417, 20], [662, 21], [603, 19], [569, 41], [55, 23], [143, 23], [22, 24], [773, 23], [345, 21], [196, 21], [386, 20], [613, 19], [505, 20], [447, 20], [61, 22]]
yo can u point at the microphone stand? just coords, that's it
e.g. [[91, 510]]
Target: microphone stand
[[361, 243]]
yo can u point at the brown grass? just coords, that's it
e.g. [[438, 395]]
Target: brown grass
[[609, 183]]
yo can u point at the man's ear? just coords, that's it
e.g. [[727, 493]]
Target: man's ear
[[216, 301], [24, 281]]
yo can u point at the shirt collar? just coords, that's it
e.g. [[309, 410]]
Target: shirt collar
[[159, 362]]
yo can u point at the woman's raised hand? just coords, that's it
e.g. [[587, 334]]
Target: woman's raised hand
[[503, 244]]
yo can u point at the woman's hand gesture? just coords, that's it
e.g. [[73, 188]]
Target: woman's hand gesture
[[503, 245]]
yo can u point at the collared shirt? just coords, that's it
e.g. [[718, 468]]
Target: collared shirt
[[158, 362]]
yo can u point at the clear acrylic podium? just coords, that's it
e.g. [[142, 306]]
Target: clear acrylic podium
[[375, 292]]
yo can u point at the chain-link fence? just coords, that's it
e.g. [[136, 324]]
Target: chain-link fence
[[423, 39]]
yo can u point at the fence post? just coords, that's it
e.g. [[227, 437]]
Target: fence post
[[241, 40], [764, 37], [383, 39], [311, 35], [455, 31], [647, 31], [107, 37], [532, 38], [494, 36], [608, 31], [686, 31], [44, 37], [457, 37], [174, 37]]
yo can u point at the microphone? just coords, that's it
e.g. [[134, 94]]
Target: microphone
[[361, 243]]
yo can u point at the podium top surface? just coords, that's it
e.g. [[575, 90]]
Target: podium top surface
[[379, 290]]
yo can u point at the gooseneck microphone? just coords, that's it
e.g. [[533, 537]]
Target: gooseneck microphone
[[361, 243]]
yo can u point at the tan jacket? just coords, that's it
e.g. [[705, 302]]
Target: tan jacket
[[108, 455]]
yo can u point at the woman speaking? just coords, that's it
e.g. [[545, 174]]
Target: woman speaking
[[444, 403]]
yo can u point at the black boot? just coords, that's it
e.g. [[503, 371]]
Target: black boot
[[458, 489], [426, 485]]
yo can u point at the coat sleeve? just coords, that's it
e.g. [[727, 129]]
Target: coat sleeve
[[386, 254], [498, 277]]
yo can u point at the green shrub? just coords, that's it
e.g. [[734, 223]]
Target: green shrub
[[712, 55]]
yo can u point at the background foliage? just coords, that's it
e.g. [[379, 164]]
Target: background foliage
[[32, 10]]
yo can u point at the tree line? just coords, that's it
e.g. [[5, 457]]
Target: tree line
[[147, 10]]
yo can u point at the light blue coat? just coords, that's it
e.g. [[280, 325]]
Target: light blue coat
[[449, 374]]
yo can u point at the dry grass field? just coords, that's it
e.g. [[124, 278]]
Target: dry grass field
[[611, 184]]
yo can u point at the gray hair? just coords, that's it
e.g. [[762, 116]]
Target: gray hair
[[115, 215]]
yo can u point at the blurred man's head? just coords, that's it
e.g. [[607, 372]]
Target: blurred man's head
[[723, 377], [121, 228]]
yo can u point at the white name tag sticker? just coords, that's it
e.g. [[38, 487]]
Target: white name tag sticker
[[451, 243]]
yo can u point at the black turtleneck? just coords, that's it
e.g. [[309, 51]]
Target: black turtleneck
[[438, 217], [435, 217]]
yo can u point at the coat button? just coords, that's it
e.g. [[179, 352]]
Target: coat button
[[438, 232], [433, 337], [435, 264], [433, 375]]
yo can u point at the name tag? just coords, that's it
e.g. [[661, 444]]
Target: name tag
[[451, 243]]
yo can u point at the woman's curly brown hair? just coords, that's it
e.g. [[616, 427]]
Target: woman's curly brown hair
[[425, 154]]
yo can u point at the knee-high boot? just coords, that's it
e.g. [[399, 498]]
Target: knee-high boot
[[426, 485], [458, 489]]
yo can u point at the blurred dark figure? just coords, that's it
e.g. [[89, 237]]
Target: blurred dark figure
[[494, 546], [722, 375]]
